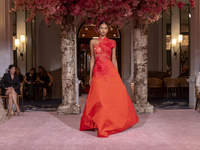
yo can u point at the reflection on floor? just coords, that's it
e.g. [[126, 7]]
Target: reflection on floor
[[52, 104], [171, 103], [39, 105]]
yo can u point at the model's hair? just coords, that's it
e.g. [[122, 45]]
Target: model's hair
[[43, 72], [102, 22]]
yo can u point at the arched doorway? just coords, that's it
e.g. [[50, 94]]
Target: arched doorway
[[84, 35]]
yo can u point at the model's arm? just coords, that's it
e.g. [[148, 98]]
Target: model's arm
[[114, 60], [92, 61]]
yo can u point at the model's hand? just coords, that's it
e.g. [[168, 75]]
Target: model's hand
[[42, 81], [29, 82]]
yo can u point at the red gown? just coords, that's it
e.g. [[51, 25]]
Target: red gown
[[108, 106]]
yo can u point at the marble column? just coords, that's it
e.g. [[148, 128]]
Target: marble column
[[69, 81], [194, 52], [140, 42], [3, 116]]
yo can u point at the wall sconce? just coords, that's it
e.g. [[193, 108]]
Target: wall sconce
[[174, 42], [22, 38], [16, 43]]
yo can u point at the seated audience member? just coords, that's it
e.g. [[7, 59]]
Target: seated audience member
[[30, 79], [18, 73], [10, 84], [45, 80]]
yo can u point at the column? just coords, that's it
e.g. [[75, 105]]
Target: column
[[194, 52], [140, 67], [6, 38], [70, 83], [3, 116]]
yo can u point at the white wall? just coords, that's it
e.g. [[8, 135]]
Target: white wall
[[6, 45], [48, 52]]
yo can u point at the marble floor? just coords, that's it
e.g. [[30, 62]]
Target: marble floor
[[176, 129]]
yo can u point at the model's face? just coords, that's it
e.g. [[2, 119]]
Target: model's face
[[12, 70], [103, 29]]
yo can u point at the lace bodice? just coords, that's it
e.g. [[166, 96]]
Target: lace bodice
[[103, 49], [103, 52]]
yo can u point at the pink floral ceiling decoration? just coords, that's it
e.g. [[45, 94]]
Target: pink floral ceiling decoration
[[95, 11]]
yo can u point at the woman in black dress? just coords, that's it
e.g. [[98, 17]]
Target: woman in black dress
[[10, 84], [45, 80], [30, 79], [18, 72]]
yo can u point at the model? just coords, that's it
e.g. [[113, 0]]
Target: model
[[108, 109]]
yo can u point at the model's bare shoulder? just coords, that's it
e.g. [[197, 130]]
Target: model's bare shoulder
[[93, 41]]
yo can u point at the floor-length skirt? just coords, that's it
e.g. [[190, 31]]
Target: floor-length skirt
[[108, 106]]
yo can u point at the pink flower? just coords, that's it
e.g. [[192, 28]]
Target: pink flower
[[140, 13], [180, 5], [192, 3], [77, 9], [112, 11], [158, 10], [52, 10]]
